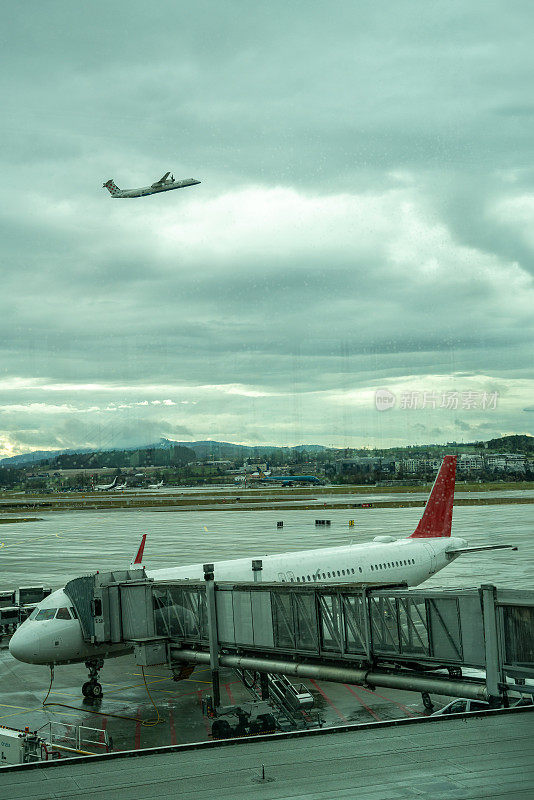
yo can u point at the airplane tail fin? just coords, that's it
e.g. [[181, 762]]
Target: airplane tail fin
[[111, 186], [437, 516], [139, 557]]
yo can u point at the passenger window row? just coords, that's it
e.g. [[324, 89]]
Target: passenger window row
[[351, 571], [391, 564]]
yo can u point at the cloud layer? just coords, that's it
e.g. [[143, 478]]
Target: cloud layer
[[364, 221]]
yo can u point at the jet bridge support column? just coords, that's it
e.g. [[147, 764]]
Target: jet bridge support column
[[491, 644], [212, 630]]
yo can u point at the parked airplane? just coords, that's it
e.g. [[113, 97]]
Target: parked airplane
[[108, 487], [52, 634], [289, 480], [284, 480], [165, 184], [155, 485]]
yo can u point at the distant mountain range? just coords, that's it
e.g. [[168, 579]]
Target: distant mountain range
[[202, 449], [227, 450]]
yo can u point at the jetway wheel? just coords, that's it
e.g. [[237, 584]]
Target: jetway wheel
[[256, 727], [221, 729], [268, 723]]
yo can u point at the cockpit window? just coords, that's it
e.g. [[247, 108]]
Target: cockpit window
[[46, 613], [63, 613], [34, 613]]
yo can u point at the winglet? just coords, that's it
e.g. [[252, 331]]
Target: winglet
[[139, 557], [437, 516]]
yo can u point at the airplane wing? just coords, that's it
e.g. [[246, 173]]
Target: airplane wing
[[162, 180]]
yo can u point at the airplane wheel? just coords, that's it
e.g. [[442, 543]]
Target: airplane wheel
[[96, 691], [255, 727], [427, 702], [86, 689], [221, 729], [268, 723]]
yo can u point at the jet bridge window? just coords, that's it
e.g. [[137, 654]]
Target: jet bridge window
[[46, 613]]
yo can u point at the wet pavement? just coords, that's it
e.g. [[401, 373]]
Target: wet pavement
[[64, 545], [129, 717]]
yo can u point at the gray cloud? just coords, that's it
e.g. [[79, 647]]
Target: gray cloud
[[364, 217]]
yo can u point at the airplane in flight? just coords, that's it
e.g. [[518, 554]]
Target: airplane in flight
[[52, 633], [165, 184]]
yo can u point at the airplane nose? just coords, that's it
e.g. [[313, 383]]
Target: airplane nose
[[24, 646]]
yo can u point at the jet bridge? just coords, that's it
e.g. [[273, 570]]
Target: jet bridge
[[391, 636]]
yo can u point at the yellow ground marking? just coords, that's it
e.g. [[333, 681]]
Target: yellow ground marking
[[6, 705], [151, 675], [33, 539], [135, 686], [37, 708], [17, 713]]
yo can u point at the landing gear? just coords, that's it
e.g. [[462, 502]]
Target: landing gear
[[92, 689]]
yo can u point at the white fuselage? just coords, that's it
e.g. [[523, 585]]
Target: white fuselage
[[163, 187], [410, 561]]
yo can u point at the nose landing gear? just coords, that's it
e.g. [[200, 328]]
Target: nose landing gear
[[92, 689]]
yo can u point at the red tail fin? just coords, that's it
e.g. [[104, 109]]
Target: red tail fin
[[139, 557], [437, 517]]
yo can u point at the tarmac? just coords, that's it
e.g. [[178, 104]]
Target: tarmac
[[128, 714]]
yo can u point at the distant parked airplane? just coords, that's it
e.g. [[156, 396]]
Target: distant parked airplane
[[164, 184], [288, 480], [108, 487], [155, 485]]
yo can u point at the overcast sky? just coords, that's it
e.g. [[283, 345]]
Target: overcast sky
[[365, 221]]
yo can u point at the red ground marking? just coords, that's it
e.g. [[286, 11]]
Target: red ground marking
[[171, 724], [104, 725], [138, 729], [359, 699], [399, 705], [229, 693], [338, 712]]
